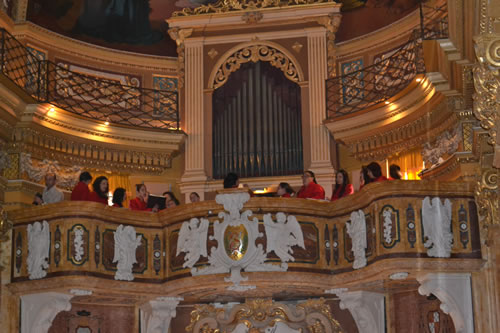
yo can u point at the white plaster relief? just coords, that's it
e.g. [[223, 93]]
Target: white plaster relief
[[446, 144], [66, 177], [282, 235], [39, 310], [454, 292], [193, 241], [357, 231], [251, 259], [398, 276], [335, 291], [80, 292], [436, 219], [78, 244], [38, 249], [366, 308], [241, 328], [157, 314], [280, 327], [387, 226], [126, 243]]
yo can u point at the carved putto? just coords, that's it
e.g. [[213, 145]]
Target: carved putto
[[446, 144], [126, 243], [38, 249], [282, 235], [436, 218], [36, 171], [193, 241], [357, 231]]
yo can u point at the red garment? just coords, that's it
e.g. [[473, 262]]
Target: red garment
[[116, 205], [138, 204], [379, 179], [311, 191], [81, 192], [349, 189], [93, 196], [286, 195]]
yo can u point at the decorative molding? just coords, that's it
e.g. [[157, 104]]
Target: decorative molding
[[39, 310], [399, 276], [454, 292], [157, 314], [297, 47], [252, 17], [180, 35], [367, 309], [212, 53], [243, 5], [331, 23], [357, 231], [36, 171], [487, 197], [38, 249], [257, 315], [436, 221], [81, 292], [126, 243], [237, 249], [256, 51]]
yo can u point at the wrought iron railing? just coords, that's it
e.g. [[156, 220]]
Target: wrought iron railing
[[85, 95], [358, 89]]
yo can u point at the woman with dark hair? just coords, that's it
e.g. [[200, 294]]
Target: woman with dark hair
[[310, 189], [101, 189], [342, 187], [231, 181], [194, 197], [140, 202], [395, 172], [375, 172], [285, 191], [169, 196], [119, 196], [38, 199], [363, 177]]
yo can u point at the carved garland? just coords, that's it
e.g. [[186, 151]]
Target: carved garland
[[223, 6], [256, 53]]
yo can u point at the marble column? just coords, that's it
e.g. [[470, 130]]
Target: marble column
[[194, 177], [319, 136]]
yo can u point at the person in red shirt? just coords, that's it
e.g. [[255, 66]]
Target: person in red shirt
[[81, 191], [285, 190], [342, 187], [375, 172], [140, 202], [395, 172], [101, 190], [119, 196], [311, 189]]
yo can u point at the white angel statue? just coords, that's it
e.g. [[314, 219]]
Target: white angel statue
[[193, 240], [38, 249], [126, 243], [282, 236], [436, 219], [357, 231]]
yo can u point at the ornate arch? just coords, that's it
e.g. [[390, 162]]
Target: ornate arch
[[255, 51]]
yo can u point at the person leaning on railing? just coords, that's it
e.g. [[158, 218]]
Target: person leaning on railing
[[285, 191], [375, 173], [140, 202], [311, 189], [342, 187]]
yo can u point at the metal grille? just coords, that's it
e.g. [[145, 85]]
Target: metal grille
[[390, 73], [84, 95]]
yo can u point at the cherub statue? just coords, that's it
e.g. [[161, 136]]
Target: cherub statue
[[193, 240], [126, 243], [436, 219], [282, 235], [38, 249]]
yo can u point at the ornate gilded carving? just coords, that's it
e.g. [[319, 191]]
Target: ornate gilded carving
[[256, 53], [331, 23], [487, 194], [264, 315], [252, 17], [5, 227], [223, 6], [180, 35], [36, 171]]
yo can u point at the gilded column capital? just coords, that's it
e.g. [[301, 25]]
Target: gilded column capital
[[331, 23], [180, 35]]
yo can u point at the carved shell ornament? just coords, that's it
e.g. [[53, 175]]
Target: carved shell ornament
[[256, 53]]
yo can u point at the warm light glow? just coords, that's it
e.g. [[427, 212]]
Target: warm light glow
[[52, 110], [418, 79], [387, 102], [261, 191], [106, 123]]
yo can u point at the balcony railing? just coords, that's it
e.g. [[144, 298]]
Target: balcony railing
[[389, 74], [84, 95]]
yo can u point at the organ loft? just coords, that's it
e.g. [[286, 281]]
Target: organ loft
[[225, 166]]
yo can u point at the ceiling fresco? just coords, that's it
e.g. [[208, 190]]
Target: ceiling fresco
[[140, 26]]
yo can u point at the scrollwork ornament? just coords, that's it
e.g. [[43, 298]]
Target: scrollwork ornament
[[224, 6], [493, 52], [180, 35], [487, 197], [256, 53]]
